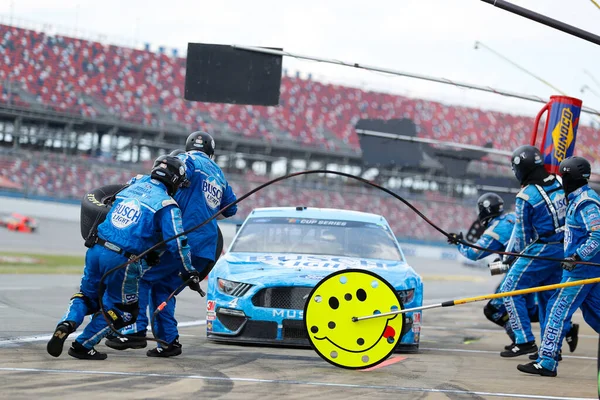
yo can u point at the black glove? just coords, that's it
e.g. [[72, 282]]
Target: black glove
[[193, 279], [152, 258], [453, 238], [570, 262]]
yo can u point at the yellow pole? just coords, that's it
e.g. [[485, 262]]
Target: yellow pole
[[466, 300], [526, 291]]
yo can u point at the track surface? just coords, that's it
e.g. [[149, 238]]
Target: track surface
[[458, 358]]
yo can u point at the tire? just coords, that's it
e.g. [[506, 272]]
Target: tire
[[95, 205], [219, 244], [218, 252]]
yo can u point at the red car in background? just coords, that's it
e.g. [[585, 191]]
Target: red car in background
[[19, 223]]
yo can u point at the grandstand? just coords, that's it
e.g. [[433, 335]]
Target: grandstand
[[58, 92], [58, 177]]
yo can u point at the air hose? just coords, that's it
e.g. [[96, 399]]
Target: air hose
[[282, 178]]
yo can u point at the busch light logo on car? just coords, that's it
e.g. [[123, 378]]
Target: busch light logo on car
[[126, 213], [212, 192]]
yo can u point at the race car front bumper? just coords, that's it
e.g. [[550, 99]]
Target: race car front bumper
[[268, 317]]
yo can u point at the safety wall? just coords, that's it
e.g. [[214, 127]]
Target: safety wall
[[70, 212], [431, 252], [66, 212], [40, 209]]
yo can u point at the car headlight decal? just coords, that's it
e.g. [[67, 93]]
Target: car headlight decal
[[231, 288]]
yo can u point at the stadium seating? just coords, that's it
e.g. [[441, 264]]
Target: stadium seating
[[98, 80], [71, 177]]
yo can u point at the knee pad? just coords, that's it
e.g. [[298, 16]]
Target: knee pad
[[123, 314], [89, 303], [495, 315]]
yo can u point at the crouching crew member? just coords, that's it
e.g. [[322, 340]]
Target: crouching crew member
[[499, 226], [582, 242], [142, 215], [208, 193]]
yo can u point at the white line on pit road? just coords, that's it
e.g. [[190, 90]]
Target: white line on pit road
[[492, 352], [460, 328], [40, 338], [289, 382]]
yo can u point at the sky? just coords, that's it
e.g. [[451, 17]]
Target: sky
[[431, 37]]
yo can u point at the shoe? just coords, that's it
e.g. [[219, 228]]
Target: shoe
[[173, 350], [572, 337], [520, 349], [534, 357], [535, 369], [77, 350], [131, 342], [508, 346], [57, 341]]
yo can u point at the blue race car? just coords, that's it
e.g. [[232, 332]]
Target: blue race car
[[257, 290]]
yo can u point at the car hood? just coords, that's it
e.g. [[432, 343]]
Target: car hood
[[302, 269]]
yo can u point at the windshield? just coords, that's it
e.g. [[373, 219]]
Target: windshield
[[317, 236]]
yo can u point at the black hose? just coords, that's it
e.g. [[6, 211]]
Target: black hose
[[295, 174]]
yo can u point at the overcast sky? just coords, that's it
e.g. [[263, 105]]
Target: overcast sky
[[434, 37]]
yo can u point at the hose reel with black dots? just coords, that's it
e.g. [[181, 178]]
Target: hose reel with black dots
[[312, 297]]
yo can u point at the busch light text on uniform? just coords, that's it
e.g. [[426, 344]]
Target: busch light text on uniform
[[213, 192], [126, 213], [553, 328]]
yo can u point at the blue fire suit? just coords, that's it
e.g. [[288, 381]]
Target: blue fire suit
[[208, 193], [582, 237], [539, 231], [141, 216], [496, 237]]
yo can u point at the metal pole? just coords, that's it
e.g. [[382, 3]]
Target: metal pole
[[404, 138], [544, 20], [545, 82], [415, 139], [588, 73], [591, 90], [451, 303], [445, 81]]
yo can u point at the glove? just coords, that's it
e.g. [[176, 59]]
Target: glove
[[453, 238], [152, 258], [193, 279], [570, 263]]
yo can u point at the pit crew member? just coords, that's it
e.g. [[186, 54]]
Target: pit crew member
[[499, 228], [208, 192], [540, 208], [142, 215], [582, 242]]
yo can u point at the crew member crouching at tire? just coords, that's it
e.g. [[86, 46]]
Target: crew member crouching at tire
[[499, 228], [142, 215], [582, 243], [207, 194]]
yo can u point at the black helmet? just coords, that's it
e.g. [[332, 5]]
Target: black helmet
[[575, 172], [177, 152], [200, 141], [526, 160], [170, 171], [489, 205]]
